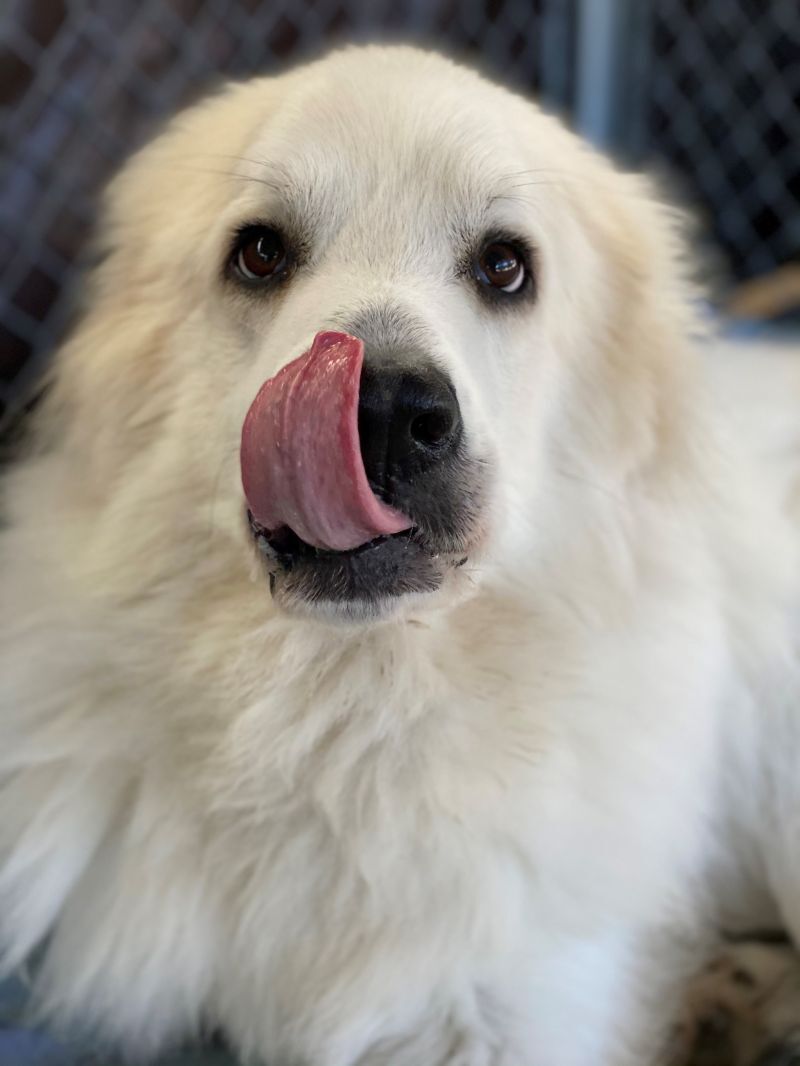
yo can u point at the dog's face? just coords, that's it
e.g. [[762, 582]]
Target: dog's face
[[391, 216], [479, 269]]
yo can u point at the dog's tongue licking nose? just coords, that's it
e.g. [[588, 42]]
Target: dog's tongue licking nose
[[301, 457]]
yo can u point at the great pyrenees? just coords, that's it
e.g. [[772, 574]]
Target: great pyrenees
[[399, 642]]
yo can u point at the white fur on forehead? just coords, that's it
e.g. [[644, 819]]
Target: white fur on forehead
[[370, 142], [396, 114]]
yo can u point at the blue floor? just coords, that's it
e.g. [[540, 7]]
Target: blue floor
[[23, 1046]]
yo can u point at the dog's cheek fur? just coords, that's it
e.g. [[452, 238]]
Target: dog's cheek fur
[[633, 390], [606, 401], [144, 332], [129, 443]]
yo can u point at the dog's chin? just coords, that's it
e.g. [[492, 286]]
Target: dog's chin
[[378, 580]]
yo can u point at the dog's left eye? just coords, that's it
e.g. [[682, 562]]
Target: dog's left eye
[[259, 254], [501, 265]]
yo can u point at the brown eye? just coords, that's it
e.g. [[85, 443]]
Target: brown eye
[[502, 266], [260, 253]]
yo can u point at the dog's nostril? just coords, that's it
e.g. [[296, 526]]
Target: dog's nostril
[[431, 428]]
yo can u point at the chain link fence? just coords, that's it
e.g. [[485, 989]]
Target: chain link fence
[[724, 110], [710, 86]]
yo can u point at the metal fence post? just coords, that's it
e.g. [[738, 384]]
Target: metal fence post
[[611, 38]]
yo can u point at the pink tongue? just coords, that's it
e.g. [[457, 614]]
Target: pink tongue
[[301, 457]]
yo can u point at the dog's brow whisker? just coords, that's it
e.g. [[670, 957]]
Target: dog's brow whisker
[[183, 168], [535, 170], [529, 184], [275, 186], [267, 164], [550, 176], [506, 196], [281, 181], [564, 179]]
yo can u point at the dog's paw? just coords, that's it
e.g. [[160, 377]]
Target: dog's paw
[[744, 1010]]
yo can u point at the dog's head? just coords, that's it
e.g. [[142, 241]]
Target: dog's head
[[378, 312]]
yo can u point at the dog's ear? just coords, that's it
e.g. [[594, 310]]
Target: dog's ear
[[637, 378], [111, 381]]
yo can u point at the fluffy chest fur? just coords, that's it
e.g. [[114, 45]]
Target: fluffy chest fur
[[250, 820]]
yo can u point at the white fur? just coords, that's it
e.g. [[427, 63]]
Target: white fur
[[485, 829]]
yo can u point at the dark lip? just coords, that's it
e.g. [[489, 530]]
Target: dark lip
[[356, 581], [286, 547]]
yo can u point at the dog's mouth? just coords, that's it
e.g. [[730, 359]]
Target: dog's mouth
[[285, 545], [358, 483], [360, 581]]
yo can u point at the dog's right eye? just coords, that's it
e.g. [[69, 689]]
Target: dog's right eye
[[259, 254], [501, 266]]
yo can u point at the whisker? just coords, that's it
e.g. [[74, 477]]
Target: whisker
[[507, 196], [534, 170], [565, 179], [273, 185], [530, 184], [266, 164]]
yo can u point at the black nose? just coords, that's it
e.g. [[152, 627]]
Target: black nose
[[409, 423]]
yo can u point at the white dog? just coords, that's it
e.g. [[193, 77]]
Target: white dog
[[420, 705]]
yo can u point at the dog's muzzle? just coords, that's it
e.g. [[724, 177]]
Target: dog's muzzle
[[356, 477]]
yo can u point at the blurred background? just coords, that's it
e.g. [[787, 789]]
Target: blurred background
[[704, 91]]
